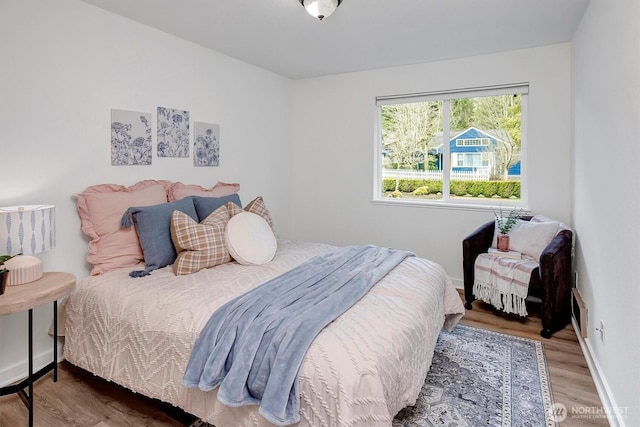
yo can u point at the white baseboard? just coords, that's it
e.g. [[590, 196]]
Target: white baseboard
[[615, 417], [19, 371]]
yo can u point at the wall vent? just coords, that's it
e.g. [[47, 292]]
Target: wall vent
[[579, 312]]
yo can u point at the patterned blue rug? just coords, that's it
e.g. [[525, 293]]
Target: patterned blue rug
[[481, 378]]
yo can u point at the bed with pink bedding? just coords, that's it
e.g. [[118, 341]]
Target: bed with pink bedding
[[360, 370]]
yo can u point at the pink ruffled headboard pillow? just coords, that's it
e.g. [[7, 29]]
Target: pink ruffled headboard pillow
[[179, 190], [101, 208]]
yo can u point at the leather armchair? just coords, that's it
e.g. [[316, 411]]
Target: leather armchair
[[550, 281]]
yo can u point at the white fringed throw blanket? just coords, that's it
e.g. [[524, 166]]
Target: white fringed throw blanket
[[503, 282]]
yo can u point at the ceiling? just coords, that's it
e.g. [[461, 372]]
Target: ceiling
[[279, 35]]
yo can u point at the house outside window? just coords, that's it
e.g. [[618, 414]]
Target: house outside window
[[452, 147]]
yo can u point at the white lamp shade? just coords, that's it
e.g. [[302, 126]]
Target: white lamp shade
[[27, 229], [320, 8]]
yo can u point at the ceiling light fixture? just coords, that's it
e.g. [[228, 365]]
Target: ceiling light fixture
[[320, 8]]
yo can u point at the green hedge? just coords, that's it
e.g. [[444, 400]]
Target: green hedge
[[503, 189]]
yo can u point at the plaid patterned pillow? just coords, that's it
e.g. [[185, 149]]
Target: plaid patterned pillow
[[233, 209], [199, 245], [256, 206]]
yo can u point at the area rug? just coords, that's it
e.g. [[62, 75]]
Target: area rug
[[481, 378]]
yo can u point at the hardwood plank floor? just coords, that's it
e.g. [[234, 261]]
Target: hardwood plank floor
[[80, 399]]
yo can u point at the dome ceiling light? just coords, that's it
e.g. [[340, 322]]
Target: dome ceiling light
[[320, 8]]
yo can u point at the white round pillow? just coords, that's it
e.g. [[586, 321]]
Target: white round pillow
[[249, 239]]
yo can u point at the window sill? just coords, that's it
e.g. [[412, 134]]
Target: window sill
[[439, 204]]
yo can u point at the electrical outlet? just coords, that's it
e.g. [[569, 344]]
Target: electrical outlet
[[601, 330]]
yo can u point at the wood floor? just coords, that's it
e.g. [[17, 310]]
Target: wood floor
[[81, 400]]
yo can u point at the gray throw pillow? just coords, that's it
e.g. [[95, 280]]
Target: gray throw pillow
[[206, 205], [153, 225]]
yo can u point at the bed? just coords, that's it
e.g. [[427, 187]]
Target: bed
[[361, 369]]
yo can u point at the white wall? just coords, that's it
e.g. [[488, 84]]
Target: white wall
[[333, 151], [65, 65], [606, 128]]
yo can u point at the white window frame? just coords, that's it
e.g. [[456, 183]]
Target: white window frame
[[446, 96]]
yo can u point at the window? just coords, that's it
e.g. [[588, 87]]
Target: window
[[461, 147], [475, 142], [469, 159]]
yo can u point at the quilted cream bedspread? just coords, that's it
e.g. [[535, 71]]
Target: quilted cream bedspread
[[360, 370]]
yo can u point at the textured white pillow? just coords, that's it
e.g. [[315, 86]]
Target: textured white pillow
[[250, 239], [530, 238]]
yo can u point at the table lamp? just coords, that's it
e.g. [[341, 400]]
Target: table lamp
[[26, 230]]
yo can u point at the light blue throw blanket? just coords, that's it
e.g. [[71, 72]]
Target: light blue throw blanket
[[253, 346]]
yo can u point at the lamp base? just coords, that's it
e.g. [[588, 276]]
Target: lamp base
[[23, 269]]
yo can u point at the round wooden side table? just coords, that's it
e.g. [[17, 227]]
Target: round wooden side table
[[49, 288]]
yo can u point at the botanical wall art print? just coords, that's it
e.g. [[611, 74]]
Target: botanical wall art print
[[130, 138], [173, 132], [206, 144]]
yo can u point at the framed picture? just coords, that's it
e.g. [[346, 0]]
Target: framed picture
[[130, 138], [173, 132], [206, 144]]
